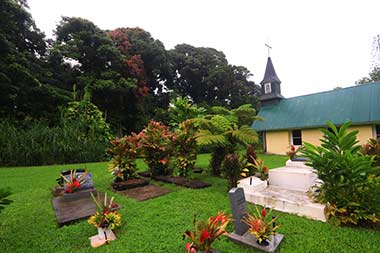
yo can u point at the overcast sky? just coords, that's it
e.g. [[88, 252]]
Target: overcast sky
[[317, 45]]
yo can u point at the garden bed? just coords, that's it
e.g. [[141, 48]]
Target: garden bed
[[145, 192], [129, 184], [182, 181]]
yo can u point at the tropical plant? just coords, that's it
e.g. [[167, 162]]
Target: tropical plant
[[372, 148], [292, 152], [350, 185], [107, 215], [4, 193], [74, 181], [260, 167], [261, 224], [185, 147], [224, 130], [204, 234], [249, 166], [231, 169], [156, 146], [123, 153], [182, 109]]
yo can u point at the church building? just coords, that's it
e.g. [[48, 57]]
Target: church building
[[292, 121]]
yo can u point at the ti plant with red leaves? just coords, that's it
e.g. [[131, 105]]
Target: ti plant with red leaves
[[74, 181], [205, 234], [261, 224], [124, 153], [156, 146]]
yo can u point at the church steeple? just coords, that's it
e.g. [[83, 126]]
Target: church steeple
[[270, 86]]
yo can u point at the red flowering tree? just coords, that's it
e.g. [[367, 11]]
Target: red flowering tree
[[156, 146]]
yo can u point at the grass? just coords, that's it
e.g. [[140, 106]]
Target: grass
[[156, 225]]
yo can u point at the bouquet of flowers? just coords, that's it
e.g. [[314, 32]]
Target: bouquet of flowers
[[107, 215], [74, 181], [293, 151], [261, 224], [205, 234]]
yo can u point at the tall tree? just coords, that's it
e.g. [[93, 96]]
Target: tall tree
[[374, 74], [23, 92]]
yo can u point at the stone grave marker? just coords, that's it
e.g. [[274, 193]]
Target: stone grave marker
[[239, 210], [241, 235]]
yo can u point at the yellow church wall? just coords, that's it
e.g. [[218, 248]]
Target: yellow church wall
[[365, 133], [277, 142]]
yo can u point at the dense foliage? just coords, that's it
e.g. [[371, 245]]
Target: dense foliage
[[350, 185], [124, 73], [232, 167]]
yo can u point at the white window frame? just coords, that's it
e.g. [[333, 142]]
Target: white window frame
[[291, 137], [267, 88]]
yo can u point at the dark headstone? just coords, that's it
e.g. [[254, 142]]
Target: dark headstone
[[239, 210]]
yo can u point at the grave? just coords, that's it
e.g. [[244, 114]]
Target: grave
[[241, 235], [69, 211], [145, 192], [286, 190]]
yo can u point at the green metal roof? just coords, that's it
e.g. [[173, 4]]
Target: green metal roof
[[360, 104]]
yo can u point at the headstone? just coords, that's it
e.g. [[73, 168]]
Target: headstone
[[239, 210], [241, 234]]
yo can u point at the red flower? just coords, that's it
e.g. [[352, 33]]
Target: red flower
[[265, 169], [264, 212], [189, 248], [76, 183], [204, 236]]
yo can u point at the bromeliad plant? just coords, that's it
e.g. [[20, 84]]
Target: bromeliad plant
[[107, 215], [261, 224], [259, 166], [156, 146], [205, 234], [350, 184], [74, 182], [124, 153]]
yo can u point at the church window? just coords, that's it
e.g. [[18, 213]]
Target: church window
[[296, 137], [267, 88]]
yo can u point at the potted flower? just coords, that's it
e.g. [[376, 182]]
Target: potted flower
[[262, 170], [293, 152], [106, 218], [205, 234], [261, 225]]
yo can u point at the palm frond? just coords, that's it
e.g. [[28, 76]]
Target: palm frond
[[244, 135]]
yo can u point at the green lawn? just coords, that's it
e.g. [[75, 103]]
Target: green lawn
[[29, 224]]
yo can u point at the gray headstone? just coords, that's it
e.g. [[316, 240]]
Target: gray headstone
[[239, 210], [88, 184]]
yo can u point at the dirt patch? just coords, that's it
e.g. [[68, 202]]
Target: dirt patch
[[182, 181], [129, 184], [144, 173], [145, 192]]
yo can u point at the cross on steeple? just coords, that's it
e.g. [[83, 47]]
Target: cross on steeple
[[269, 48]]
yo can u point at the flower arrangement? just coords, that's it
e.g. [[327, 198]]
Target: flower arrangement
[[262, 170], [107, 215], [74, 181], [205, 234], [293, 151], [261, 224]]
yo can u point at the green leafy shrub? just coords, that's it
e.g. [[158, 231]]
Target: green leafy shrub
[[4, 193], [156, 147], [90, 116], [123, 152], [185, 148], [231, 169], [351, 186]]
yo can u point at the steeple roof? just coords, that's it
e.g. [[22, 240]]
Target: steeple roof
[[270, 74]]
